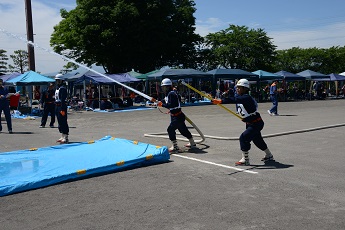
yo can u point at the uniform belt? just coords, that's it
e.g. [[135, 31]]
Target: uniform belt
[[175, 114], [254, 121], [49, 102]]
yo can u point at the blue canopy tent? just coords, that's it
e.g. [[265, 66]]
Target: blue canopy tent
[[30, 78], [287, 76], [333, 77], [99, 79], [336, 77], [264, 75], [176, 74], [310, 75], [232, 74], [8, 77], [290, 76]]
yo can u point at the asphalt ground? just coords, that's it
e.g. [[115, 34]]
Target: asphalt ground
[[303, 189]]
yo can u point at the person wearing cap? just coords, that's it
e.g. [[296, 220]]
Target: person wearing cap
[[247, 110], [61, 108], [48, 103], [5, 105], [177, 117]]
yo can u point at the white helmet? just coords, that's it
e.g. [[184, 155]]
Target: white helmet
[[243, 82], [166, 81], [59, 76]]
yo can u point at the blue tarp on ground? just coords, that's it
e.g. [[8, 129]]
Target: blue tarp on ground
[[30, 169]]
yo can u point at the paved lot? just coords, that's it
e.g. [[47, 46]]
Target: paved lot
[[304, 189]]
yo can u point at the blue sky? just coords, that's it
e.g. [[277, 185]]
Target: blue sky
[[303, 23]]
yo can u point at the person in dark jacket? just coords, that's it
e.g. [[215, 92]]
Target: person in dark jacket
[[274, 98], [48, 103], [61, 108], [247, 109], [177, 120], [5, 105]]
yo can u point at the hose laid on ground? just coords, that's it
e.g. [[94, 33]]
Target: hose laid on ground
[[278, 134], [200, 134]]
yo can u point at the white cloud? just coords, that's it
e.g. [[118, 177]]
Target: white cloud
[[44, 19], [317, 36], [321, 37], [211, 25]]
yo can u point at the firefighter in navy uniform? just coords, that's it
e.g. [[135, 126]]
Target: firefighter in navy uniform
[[48, 103], [247, 108], [61, 108], [177, 121]]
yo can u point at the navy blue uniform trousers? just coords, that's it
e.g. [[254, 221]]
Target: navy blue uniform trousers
[[61, 115], [4, 106], [178, 122], [253, 133]]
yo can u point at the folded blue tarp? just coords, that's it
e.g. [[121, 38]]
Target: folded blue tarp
[[35, 168]]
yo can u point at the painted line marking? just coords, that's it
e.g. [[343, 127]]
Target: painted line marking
[[216, 164]]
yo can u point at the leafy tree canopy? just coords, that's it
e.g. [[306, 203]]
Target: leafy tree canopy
[[121, 35], [242, 48], [298, 59], [20, 61], [3, 61]]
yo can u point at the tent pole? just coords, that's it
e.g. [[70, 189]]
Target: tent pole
[[99, 96], [84, 86]]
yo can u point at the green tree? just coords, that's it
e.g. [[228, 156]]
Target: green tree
[[20, 61], [333, 60], [3, 61], [121, 35], [298, 59], [241, 47]]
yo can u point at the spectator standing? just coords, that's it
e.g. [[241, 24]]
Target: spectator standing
[[61, 108], [274, 98], [5, 105], [48, 103]]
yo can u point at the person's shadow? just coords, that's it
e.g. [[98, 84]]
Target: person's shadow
[[272, 165], [267, 165]]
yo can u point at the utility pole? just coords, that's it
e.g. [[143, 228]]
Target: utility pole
[[30, 34]]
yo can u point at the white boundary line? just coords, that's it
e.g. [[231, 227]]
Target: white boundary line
[[212, 163]]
